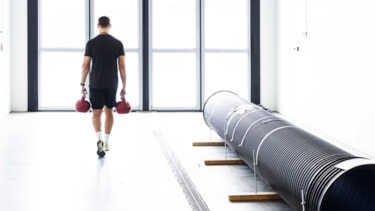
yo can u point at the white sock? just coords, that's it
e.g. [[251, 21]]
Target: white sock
[[99, 135], [106, 137]]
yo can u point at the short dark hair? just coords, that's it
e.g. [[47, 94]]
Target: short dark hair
[[104, 21]]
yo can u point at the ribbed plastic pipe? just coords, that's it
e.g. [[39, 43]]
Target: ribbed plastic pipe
[[306, 171]]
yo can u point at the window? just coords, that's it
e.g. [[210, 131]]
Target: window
[[62, 42], [62, 39], [195, 48], [125, 20], [226, 48], [174, 66]]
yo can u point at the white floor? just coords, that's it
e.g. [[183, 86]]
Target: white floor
[[48, 161]]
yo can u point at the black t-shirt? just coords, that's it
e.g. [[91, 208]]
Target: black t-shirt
[[104, 51]]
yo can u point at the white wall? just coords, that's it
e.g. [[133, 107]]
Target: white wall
[[268, 53], [19, 55], [4, 58], [329, 84]]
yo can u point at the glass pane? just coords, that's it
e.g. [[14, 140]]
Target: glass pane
[[61, 24], [227, 71], [226, 24], [132, 82], [125, 22], [124, 17], [59, 84], [174, 80], [174, 24]]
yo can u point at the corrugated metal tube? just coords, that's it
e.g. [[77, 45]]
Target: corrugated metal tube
[[290, 159]]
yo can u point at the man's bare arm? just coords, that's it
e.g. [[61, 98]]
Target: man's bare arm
[[85, 70], [122, 69]]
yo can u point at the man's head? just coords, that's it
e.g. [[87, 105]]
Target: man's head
[[104, 22]]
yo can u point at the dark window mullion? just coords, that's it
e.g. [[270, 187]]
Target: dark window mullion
[[255, 51], [32, 61], [145, 56]]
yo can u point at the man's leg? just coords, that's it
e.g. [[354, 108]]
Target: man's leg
[[96, 121], [97, 103], [108, 124]]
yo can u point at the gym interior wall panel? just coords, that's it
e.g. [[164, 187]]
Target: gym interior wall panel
[[268, 55], [325, 68], [4, 58], [18, 17]]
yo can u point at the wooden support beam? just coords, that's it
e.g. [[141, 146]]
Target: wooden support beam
[[259, 196], [224, 162], [209, 143]]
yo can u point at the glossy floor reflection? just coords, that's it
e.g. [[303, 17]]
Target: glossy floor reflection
[[48, 161]]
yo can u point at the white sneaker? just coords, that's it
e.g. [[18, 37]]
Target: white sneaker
[[107, 147], [100, 151]]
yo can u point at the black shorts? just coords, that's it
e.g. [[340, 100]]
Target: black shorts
[[102, 97]]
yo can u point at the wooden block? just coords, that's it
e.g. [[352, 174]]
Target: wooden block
[[224, 162], [259, 196], [209, 143]]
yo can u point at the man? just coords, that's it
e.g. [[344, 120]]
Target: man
[[107, 56]]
